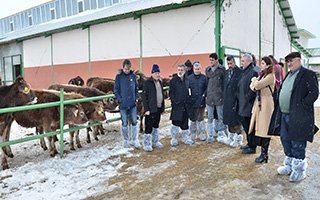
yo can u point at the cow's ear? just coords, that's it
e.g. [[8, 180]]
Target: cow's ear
[[138, 77]]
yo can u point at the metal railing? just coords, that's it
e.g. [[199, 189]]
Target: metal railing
[[61, 104]]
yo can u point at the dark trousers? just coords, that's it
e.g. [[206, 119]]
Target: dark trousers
[[245, 121], [294, 149], [184, 123], [152, 121]]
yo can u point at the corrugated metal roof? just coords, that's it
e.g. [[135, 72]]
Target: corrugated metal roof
[[87, 16]]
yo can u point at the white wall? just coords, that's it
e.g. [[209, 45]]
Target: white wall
[[37, 52], [266, 28], [240, 25], [182, 31], [70, 47], [115, 40]]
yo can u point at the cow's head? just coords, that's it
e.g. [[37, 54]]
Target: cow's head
[[98, 115], [110, 104], [141, 78], [74, 114], [76, 81], [22, 93]]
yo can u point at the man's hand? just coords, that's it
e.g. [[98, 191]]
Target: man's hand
[[147, 113]]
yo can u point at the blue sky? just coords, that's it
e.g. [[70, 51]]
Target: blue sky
[[305, 13]]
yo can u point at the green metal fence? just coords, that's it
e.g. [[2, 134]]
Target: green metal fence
[[61, 104]]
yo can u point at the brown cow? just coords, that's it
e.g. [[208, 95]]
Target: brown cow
[[76, 81], [94, 112], [49, 118], [17, 94]]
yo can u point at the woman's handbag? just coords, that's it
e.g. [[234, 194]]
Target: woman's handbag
[[274, 126]]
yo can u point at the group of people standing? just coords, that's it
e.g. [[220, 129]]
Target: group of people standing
[[237, 99]]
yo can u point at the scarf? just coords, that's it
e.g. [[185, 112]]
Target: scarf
[[258, 92]]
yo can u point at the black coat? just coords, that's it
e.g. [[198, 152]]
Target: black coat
[[198, 88], [230, 98], [149, 96], [179, 97], [246, 95], [305, 92]]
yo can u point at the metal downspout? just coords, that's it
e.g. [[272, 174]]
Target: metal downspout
[[259, 32], [89, 53], [52, 66], [141, 46], [218, 27], [274, 27], [21, 62]]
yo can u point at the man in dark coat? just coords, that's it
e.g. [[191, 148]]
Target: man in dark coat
[[230, 103], [153, 103], [126, 92], [197, 94], [246, 100], [298, 93], [179, 96]]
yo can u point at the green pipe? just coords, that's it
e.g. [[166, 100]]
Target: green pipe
[[89, 53], [260, 32], [21, 62], [141, 51], [218, 27], [274, 27], [61, 122], [52, 66]]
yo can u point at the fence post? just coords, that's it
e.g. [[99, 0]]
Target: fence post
[[61, 122]]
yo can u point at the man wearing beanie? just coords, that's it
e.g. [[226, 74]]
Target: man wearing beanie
[[189, 67], [153, 104], [298, 92]]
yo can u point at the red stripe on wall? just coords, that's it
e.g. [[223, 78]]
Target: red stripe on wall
[[41, 77]]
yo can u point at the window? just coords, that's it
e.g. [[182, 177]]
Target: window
[[30, 20], [11, 26], [80, 6], [115, 1], [52, 13]]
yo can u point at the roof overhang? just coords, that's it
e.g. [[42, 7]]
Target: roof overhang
[[289, 19]]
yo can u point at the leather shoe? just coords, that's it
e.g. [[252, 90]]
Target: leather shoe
[[244, 146], [248, 151]]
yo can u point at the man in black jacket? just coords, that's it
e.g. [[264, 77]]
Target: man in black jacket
[[246, 100], [298, 93], [153, 103], [179, 95]]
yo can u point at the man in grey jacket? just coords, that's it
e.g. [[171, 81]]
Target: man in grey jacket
[[215, 76]]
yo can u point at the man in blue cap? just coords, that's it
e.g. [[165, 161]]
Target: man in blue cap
[[153, 104]]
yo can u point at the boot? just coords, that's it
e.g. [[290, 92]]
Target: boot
[[210, 133], [286, 169], [222, 137], [185, 137], [135, 137], [237, 140], [193, 130], [263, 158], [155, 139], [147, 142], [174, 135], [125, 137], [299, 168], [202, 130]]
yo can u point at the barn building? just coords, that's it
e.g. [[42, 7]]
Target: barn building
[[61, 39]]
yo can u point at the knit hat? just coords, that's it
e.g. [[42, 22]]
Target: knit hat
[[188, 64], [155, 68]]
